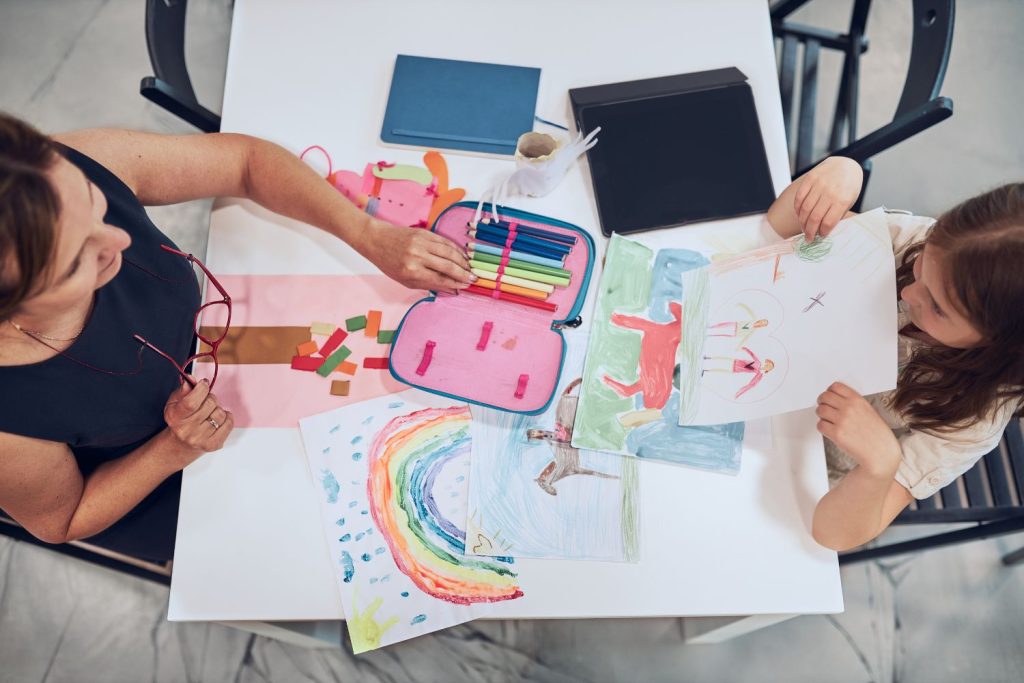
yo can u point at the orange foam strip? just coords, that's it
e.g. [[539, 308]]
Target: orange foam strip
[[347, 367], [372, 323], [306, 348]]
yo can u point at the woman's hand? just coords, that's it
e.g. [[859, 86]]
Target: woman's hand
[[851, 423], [416, 258], [825, 193], [196, 419]]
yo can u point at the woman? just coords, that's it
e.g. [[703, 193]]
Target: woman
[[93, 430]]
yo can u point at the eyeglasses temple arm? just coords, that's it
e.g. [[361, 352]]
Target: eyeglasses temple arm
[[184, 375]]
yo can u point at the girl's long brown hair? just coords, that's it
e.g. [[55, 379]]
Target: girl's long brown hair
[[29, 209], [981, 243]]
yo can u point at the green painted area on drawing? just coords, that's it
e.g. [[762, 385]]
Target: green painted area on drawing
[[613, 351]]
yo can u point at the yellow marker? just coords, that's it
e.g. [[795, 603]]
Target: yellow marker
[[511, 289], [513, 280]]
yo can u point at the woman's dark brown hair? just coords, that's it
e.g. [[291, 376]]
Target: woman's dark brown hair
[[29, 209], [981, 243]]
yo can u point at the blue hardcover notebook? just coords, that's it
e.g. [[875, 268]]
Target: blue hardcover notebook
[[469, 106]]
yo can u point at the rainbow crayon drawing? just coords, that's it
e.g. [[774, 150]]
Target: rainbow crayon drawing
[[404, 462], [391, 477]]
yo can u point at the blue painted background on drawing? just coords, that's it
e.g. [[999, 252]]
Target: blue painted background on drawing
[[714, 447]]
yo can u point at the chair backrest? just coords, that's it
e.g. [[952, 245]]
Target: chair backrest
[[919, 106], [992, 489], [165, 39], [929, 53]]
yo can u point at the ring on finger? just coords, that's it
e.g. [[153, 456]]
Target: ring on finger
[[213, 423]]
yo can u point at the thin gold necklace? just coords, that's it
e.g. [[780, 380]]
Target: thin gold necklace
[[40, 335]]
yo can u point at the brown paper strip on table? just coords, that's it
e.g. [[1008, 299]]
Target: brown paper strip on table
[[256, 345]]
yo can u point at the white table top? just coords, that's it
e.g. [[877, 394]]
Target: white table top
[[250, 546]]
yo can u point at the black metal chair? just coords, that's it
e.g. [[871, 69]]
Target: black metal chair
[[919, 108], [990, 495], [171, 88]]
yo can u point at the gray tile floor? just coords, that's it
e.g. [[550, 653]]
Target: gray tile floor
[[948, 615]]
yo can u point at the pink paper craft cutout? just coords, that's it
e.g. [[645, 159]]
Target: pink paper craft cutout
[[277, 395]]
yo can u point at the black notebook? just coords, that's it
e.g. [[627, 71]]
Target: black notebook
[[674, 150]]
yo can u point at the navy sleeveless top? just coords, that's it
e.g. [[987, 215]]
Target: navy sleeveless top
[[111, 408]]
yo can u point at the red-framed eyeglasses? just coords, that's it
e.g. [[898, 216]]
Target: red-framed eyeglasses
[[214, 343]]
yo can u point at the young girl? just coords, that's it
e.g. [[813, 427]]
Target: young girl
[[961, 352]]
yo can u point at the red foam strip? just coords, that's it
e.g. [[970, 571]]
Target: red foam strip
[[376, 363], [333, 342], [307, 363]]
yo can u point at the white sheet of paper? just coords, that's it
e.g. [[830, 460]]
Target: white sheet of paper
[[392, 477], [767, 331], [533, 494]]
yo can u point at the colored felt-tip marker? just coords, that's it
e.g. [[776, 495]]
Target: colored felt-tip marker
[[476, 254], [514, 254], [534, 276], [517, 245], [513, 280], [532, 232], [506, 296], [504, 234]]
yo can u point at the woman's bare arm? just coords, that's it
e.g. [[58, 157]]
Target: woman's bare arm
[[166, 169], [42, 488]]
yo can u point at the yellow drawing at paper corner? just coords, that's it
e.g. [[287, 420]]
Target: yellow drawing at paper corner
[[365, 631]]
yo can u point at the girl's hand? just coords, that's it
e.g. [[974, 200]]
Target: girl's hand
[[196, 420], [825, 193], [417, 258], [851, 423]]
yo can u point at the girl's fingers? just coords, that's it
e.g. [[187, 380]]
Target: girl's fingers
[[831, 219], [842, 390], [827, 413], [809, 206], [801, 194], [831, 399]]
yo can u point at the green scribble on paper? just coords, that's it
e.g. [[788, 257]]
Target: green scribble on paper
[[630, 510]]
